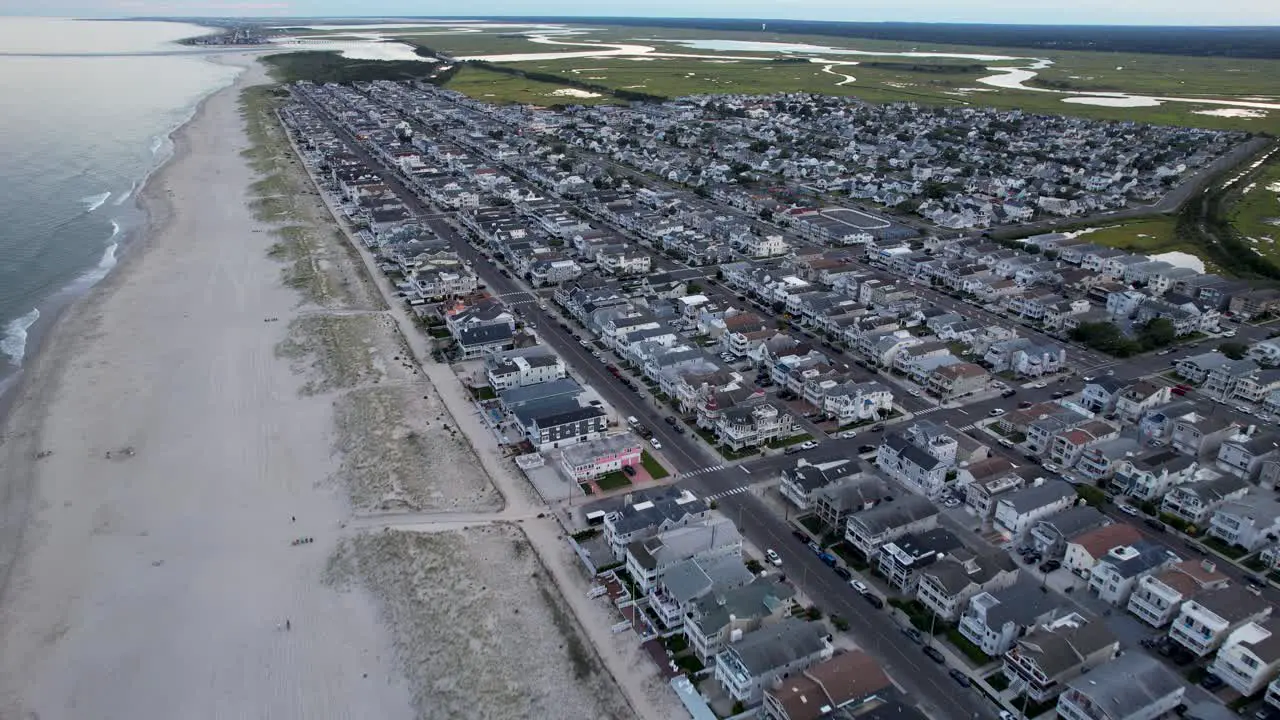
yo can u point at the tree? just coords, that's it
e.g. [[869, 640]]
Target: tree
[[1233, 350], [1157, 333], [1091, 495], [1106, 337]]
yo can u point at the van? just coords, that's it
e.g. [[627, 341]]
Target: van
[[631, 420]]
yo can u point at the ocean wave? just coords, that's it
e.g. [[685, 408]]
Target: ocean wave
[[103, 267], [14, 342], [115, 228], [93, 202], [127, 194], [157, 142]]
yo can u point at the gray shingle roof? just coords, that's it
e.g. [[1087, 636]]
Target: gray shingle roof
[[1126, 685], [886, 516], [1030, 498], [778, 644]]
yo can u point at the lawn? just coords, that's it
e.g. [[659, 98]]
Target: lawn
[[612, 481], [789, 441], [652, 466], [501, 89], [966, 646]]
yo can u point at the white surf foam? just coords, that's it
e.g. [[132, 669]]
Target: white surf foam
[[14, 342], [93, 202], [156, 143], [127, 194], [115, 228]]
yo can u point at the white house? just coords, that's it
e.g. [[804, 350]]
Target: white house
[[1250, 657], [1018, 510]]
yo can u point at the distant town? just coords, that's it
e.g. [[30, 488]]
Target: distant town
[[826, 444]]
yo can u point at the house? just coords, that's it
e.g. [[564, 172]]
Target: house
[[1084, 550], [1050, 535], [957, 380], [901, 560], [1204, 622], [1054, 653], [556, 426], [995, 619], [1246, 455], [869, 531], [766, 655], [946, 586], [854, 493], [506, 372], [474, 342], [852, 402], [1134, 686], [1194, 502], [1016, 511], [649, 512], [1158, 597], [675, 591], [919, 457], [1067, 447], [649, 559], [982, 494], [1150, 476], [828, 689], [753, 425], [591, 459], [1250, 656], [1196, 368], [1100, 394], [1138, 398], [714, 619], [799, 484], [1249, 523], [1117, 572]]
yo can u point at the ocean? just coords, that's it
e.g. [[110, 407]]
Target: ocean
[[88, 109]]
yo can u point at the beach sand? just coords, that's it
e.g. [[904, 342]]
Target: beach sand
[[156, 583]]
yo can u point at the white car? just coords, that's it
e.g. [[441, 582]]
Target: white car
[[773, 557], [1051, 467], [654, 442], [1039, 385], [1129, 509], [997, 412], [859, 586], [808, 445], [1229, 334], [1088, 378], [847, 434], [913, 393]]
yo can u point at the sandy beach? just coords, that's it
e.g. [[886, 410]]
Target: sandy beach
[[155, 583], [240, 383]]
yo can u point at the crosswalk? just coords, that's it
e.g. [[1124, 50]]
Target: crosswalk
[[926, 411], [967, 428], [700, 471], [725, 493]]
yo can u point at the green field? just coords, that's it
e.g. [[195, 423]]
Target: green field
[[1148, 237], [502, 89], [1255, 207]]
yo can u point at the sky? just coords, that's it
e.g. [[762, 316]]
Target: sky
[[1079, 12]]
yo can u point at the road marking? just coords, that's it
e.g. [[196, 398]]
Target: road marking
[[725, 493], [700, 471], [745, 469]]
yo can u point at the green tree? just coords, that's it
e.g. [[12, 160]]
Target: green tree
[[1091, 495], [1158, 333], [1233, 350]]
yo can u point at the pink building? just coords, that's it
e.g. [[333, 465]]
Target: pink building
[[589, 460]]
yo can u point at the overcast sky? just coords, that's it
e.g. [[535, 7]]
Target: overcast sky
[[1091, 12]]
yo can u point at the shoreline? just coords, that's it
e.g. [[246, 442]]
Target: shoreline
[[66, 299], [46, 355], [162, 464]]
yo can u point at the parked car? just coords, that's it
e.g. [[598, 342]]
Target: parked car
[[859, 586], [800, 536], [1061, 394], [629, 469], [1049, 566], [1008, 393], [1129, 510], [864, 449], [878, 427], [654, 442], [958, 675], [876, 601], [1025, 404], [844, 573], [814, 547], [808, 445], [1211, 682], [1154, 524], [996, 412], [773, 557], [913, 635], [935, 654]]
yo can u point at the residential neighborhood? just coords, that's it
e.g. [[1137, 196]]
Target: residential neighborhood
[[821, 461]]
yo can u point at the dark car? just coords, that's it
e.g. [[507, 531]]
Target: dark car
[[844, 573], [828, 559], [959, 676], [800, 536], [935, 654], [1033, 459], [1049, 566], [669, 420], [1211, 682], [1154, 524], [630, 470], [864, 449], [1025, 404], [1060, 394], [875, 600], [1255, 581], [1008, 393], [877, 428], [913, 634]]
